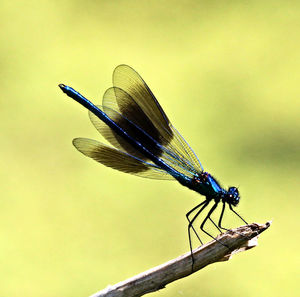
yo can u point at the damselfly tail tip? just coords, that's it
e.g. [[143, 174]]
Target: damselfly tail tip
[[64, 88]]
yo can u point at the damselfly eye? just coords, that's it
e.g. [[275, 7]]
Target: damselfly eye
[[233, 195]]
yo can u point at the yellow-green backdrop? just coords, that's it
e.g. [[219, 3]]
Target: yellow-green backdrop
[[227, 75]]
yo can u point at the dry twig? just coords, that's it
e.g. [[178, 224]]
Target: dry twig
[[238, 240]]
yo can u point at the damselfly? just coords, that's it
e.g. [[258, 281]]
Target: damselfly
[[145, 143]]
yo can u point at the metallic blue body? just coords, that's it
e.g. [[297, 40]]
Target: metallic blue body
[[207, 187], [109, 122]]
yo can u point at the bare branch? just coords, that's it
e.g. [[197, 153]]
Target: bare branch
[[237, 240]]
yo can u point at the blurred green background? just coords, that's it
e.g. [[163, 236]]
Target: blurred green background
[[227, 75]]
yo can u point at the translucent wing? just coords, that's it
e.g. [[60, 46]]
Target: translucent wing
[[170, 157], [133, 85], [134, 108], [127, 79], [119, 160]]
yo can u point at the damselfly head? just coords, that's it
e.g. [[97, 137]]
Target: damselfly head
[[233, 196]]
